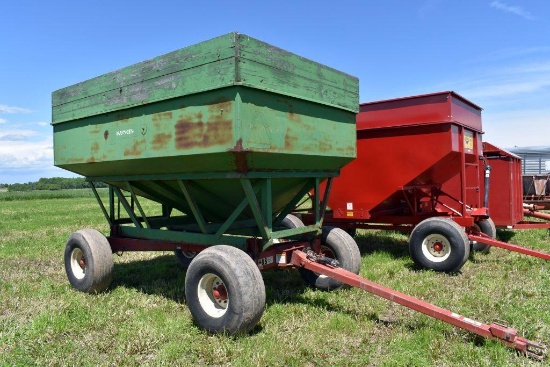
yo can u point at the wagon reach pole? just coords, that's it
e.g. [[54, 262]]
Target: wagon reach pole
[[506, 335], [483, 238]]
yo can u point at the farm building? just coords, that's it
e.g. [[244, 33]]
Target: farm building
[[535, 160]]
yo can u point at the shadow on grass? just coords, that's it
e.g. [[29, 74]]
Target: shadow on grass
[[505, 235], [161, 276], [393, 243]]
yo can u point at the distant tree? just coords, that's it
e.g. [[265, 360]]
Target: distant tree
[[54, 183]]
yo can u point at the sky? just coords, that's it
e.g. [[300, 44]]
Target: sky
[[495, 53]]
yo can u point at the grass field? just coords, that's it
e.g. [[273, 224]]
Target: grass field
[[143, 319]]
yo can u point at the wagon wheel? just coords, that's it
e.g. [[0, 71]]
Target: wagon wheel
[[439, 244], [184, 258], [292, 221], [336, 244], [89, 261], [486, 226], [224, 290]]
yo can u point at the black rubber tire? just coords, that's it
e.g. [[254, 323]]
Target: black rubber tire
[[339, 245], [184, 258], [351, 231], [89, 261], [292, 221], [242, 283], [443, 232], [486, 226]]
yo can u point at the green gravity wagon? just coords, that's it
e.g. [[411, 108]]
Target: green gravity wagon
[[225, 137]]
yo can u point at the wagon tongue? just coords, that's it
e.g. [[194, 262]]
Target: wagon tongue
[[536, 350], [508, 336], [496, 331]]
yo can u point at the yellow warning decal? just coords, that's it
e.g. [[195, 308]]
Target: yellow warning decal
[[468, 140]]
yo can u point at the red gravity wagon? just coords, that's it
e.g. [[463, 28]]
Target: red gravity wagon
[[420, 168]]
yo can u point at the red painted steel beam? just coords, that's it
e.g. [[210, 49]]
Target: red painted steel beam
[[536, 214], [531, 225], [501, 333], [508, 246], [123, 244]]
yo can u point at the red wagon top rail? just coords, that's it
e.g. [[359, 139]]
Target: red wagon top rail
[[426, 109]]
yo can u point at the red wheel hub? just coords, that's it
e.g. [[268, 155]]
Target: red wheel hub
[[438, 246], [220, 292], [82, 263]]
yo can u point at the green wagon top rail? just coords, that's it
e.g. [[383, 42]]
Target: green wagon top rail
[[229, 60]]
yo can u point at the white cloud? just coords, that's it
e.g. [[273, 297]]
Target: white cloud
[[3, 121], [25, 149], [43, 123], [26, 154], [517, 10], [12, 109], [514, 97], [16, 135], [513, 81]]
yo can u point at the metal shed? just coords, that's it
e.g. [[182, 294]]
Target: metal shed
[[536, 160]]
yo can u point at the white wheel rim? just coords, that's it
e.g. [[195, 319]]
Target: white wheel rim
[[436, 248], [212, 294], [78, 264]]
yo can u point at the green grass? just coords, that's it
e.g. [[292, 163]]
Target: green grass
[[45, 194], [143, 319]]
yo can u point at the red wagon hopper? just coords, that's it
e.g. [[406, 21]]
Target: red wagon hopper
[[419, 168], [506, 200]]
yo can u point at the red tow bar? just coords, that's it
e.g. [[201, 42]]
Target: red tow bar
[[504, 334], [483, 238]]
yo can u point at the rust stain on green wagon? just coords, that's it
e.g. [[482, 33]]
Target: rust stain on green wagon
[[94, 148], [203, 134], [136, 149], [162, 117], [191, 131], [160, 141]]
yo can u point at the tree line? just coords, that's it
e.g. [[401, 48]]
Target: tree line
[[54, 183]]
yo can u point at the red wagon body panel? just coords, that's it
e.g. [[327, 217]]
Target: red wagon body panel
[[407, 148], [505, 193]]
